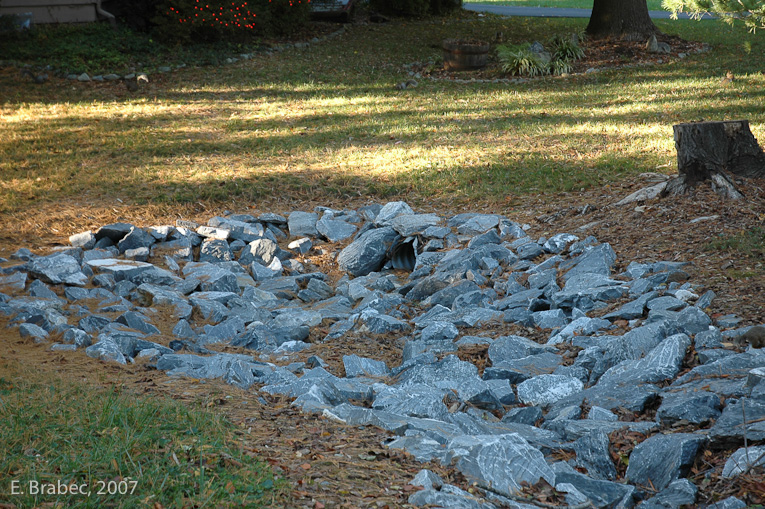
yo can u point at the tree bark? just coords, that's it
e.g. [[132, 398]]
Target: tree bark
[[627, 19], [718, 152]]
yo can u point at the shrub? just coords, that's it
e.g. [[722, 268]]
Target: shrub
[[524, 61], [566, 48], [521, 60], [215, 20]]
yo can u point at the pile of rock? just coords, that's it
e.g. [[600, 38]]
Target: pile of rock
[[435, 283]]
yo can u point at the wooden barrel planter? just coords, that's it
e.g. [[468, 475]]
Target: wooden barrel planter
[[463, 55]]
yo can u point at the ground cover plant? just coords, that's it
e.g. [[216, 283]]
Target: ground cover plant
[[323, 124]]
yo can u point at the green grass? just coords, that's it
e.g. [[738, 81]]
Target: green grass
[[653, 5], [328, 122], [125, 451], [749, 242]]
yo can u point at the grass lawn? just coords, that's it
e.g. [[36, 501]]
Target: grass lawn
[[104, 448], [327, 121], [653, 5]]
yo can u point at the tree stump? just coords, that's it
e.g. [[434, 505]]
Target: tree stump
[[718, 152]]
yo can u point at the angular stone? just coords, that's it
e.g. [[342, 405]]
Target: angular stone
[[693, 407], [474, 224], [596, 260], [138, 322], [544, 390], [119, 269], [390, 211], [680, 493], [106, 350], [215, 251], [731, 426], [508, 348], [368, 252], [592, 454], [581, 489], [58, 268], [29, 330], [519, 370], [114, 232], [661, 459], [743, 460], [558, 243], [135, 238], [302, 224], [500, 461], [411, 224], [663, 362], [85, 240], [335, 230], [362, 366]]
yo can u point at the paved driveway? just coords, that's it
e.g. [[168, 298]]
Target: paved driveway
[[550, 12]]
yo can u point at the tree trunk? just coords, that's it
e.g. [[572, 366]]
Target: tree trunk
[[628, 19], [718, 152]]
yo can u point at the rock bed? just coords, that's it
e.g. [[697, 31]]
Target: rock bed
[[617, 342]]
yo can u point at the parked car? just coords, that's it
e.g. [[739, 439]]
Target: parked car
[[335, 9]]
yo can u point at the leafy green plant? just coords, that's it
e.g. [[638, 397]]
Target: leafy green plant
[[566, 49], [520, 60], [523, 60]]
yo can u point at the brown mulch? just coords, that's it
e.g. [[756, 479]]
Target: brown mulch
[[599, 54]]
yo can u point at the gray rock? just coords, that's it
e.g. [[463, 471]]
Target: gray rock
[[581, 489], [693, 407], [596, 260], [215, 250], [390, 211], [411, 224], [211, 277], [119, 269], [662, 459], [13, 282], [302, 224], [106, 350], [544, 390], [499, 461], [85, 240], [731, 426], [661, 363], [508, 348], [138, 322], [592, 454], [136, 238], [114, 232], [334, 230], [439, 331], [680, 493], [728, 503], [29, 330], [362, 366], [519, 370], [743, 460], [558, 243], [448, 495], [57, 268], [528, 415], [474, 224], [368, 252]]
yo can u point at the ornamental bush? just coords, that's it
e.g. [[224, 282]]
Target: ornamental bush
[[215, 20]]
